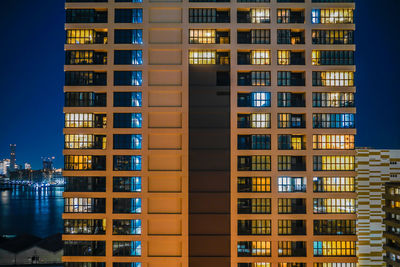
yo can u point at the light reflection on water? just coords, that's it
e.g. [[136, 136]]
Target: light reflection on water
[[32, 211]]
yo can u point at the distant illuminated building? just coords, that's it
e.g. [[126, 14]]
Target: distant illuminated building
[[4, 166], [13, 148], [27, 166]]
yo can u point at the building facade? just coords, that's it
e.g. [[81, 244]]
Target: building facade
[[210, 133], [375, 168]]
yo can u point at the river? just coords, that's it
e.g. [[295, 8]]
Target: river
[[27, 210]]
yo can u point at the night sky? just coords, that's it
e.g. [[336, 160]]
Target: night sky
[[31, 77]]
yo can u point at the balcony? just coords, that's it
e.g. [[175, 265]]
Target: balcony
[[288, 16], [291, 37], [81, 57], [295, 100], [86, 16]]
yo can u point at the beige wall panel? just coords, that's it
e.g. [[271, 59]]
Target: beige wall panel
[[165, 120], [166, 15], [165, 162], [164, 226], [164, 246], [165, 56], [165, 36], [165, 183], [165, 141], [165, 99], [164, 205], [165, 77]]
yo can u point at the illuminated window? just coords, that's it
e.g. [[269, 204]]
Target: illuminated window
[[127, 163], [132, 15], [334, 227], [84, 205], [127, 99], [291, 184], [332, 16], [333, 120], [283, 57], [127, 120], [127, 248], [330, 37], [130, 78], [202, 57], [127, 205], [334, 205], [260, 120], [254, 249], [334, 264], [260, 57], [84, 163], [254, 206], [332, 57], [333, 141], [84, 141], [81, 36], [291, 249], [85, 120], [202, 36], [85, 226], [254, 184], [254, 227], [131, 36], [333, 163], [128, 57], [334, 184], [291, 206], [334, 249], [333, 100], [333, 78], [291, 264], [127, 184], [254, 120], [291, 227], [261, 99], [260, 15], [291, 142], [253, 264], [127, 227], [288, 120], [85, 57], [254, 163], [127, 141]]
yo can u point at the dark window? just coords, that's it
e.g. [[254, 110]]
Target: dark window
[[84, 248], [254, 142], [85, 78], [254, 163], [291, 227], [127, 120], [127, 248], [334, 227], [254, 206], [134, 15], [131, 78], [330, 37], [134, 36], [85, 184], [127, 99], [292, 249], [84, 264], [254, 227], [127, 141], [127, 205], [291, 206], [332, 57], [333, 120], [85, 16], [128, 57], [85, 57], [85, 99], [127, 184], [127, 163], [333, 100]]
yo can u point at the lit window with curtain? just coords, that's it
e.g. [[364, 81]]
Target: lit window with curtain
[[260, 15], [334, 163], [334, 248], [261, 99], [199, 57], [260, 57], [332, 16]]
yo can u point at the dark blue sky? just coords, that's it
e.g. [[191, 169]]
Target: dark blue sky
[[31, 77]]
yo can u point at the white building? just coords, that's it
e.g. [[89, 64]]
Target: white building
[[374, 168]]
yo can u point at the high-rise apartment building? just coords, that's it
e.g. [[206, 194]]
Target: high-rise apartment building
[[210, 133], [378, 213]]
